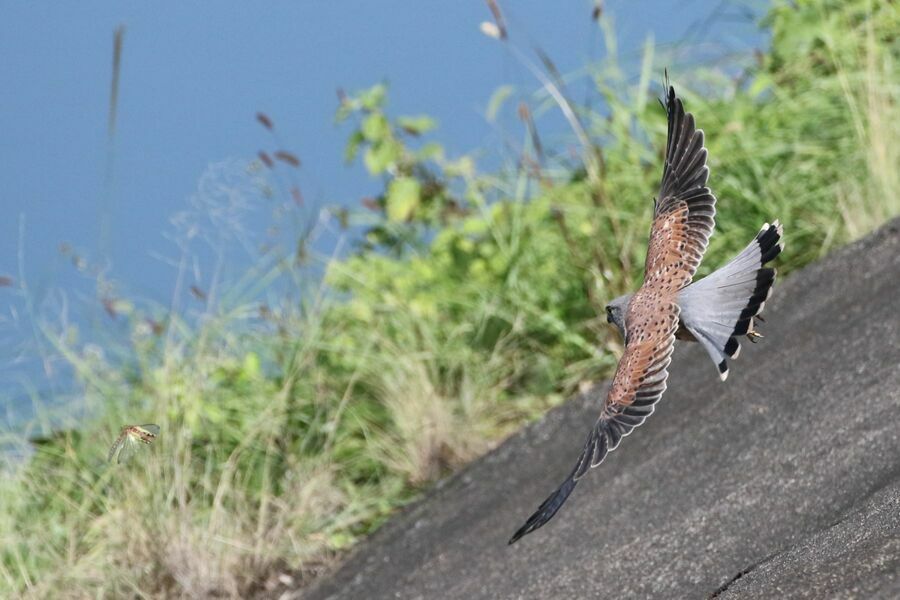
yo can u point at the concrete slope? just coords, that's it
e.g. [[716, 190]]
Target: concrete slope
[[783, 481]]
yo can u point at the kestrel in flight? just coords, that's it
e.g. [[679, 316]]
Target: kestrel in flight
[[714, 311]]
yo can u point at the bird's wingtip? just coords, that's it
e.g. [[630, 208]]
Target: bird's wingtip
[[522, 531], [547, 509]]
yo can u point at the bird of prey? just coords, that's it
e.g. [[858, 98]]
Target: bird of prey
[[713, 311]]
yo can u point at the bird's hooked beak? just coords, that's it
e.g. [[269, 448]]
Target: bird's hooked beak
[[614, 318]]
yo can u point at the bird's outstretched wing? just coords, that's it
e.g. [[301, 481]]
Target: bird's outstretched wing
[[638, 385], [683, 219], [684, 213]]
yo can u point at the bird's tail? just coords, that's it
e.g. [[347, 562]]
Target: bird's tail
[[722, 306]]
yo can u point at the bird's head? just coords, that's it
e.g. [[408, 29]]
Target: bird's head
[[615, 313]]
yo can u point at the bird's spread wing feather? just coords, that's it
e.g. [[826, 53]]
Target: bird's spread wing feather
[[683, 220], [638, 385], [684, 213]]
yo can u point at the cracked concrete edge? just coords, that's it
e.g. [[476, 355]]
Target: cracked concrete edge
[[859, 553]]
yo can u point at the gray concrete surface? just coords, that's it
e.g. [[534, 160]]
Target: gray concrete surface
[[783, 481]]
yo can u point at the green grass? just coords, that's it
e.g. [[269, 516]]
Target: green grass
[[289, 433]]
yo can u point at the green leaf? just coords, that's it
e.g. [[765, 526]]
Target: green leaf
[[497, 99], [761, 83], [404, 194], [429, 151], [251, 368], [352, 147], [344, 110], [379, 157], [464, 166], [417, 125], [375, 127], [373, 98]]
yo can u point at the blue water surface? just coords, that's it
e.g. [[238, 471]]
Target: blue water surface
[[80, 202]]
